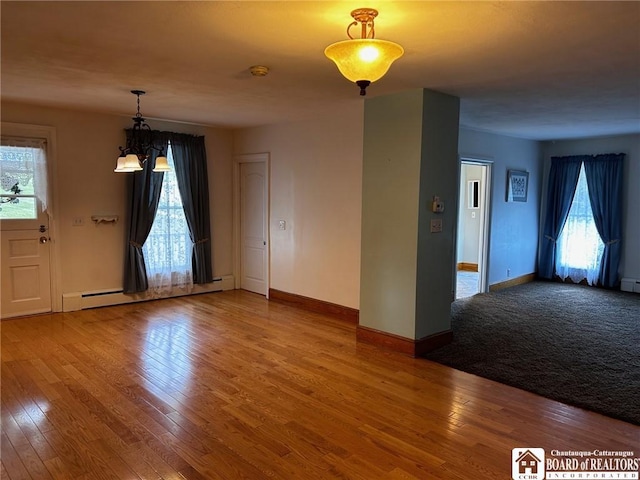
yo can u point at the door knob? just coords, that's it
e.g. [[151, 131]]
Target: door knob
[[44, 239]]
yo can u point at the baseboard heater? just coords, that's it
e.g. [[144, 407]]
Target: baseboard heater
[[104, 298], [630, 285]]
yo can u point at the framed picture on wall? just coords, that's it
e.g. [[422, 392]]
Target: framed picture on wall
[[517, 186]]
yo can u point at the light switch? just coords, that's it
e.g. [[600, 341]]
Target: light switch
[[436, 225], [282, 225]]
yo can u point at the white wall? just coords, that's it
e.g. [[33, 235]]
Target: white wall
[[91, 257], [630, 145], [316, 176], [513, 241], [316, 187]]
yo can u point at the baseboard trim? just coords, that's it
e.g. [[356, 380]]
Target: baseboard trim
[[513, 282], [433, 341], [467, 267], [413, 348], [104, 298], [313, 305]]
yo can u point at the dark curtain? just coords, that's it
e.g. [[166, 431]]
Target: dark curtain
[[604, 179], [190, 160], [144, 194], [563, 179]]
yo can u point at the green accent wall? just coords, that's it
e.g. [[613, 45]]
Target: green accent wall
[[409, 155]]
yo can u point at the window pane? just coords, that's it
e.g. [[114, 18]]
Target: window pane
[[167, 250], [16, 183], [579, 246], [22, 208]]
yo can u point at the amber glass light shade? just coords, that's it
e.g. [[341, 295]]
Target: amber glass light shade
[[364, 59]]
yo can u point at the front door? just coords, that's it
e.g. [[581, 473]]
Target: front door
[[24, 242], [26, 287]]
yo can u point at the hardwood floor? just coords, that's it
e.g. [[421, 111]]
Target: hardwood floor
[[230, 386]]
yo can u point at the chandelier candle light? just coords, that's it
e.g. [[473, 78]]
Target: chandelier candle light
[[364, 60], [137, 151]]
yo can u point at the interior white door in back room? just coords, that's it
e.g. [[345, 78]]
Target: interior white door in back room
[[253, 227]]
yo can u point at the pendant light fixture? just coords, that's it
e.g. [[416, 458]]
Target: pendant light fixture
[[364, 60], [138, 149]]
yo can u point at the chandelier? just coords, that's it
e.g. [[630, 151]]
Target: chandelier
[[139, 148], [363, 60]]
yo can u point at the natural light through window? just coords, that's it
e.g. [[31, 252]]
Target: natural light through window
[[167, 251], [17, 193], [579, 248]]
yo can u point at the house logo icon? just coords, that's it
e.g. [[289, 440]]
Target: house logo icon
[[527, 463]]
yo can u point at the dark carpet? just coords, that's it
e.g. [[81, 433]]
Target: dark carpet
[[575, 344]]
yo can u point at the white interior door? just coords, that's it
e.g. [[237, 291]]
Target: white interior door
[[25, 270], [253, 227], [483, 243]]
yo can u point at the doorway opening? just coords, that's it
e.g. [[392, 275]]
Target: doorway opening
[[472, 253]]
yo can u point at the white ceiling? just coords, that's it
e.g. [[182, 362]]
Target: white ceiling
[[539, 70]]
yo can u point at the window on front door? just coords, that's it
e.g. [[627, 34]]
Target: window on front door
[[19, 180]]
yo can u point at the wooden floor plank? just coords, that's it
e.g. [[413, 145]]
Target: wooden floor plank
[[32, 462], [11, 462], [229, 385]]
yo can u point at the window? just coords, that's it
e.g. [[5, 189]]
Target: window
[[21, 184], [167, 250], [579, 247]]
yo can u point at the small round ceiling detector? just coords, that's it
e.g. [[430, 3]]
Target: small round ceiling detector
[[259, 70]]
